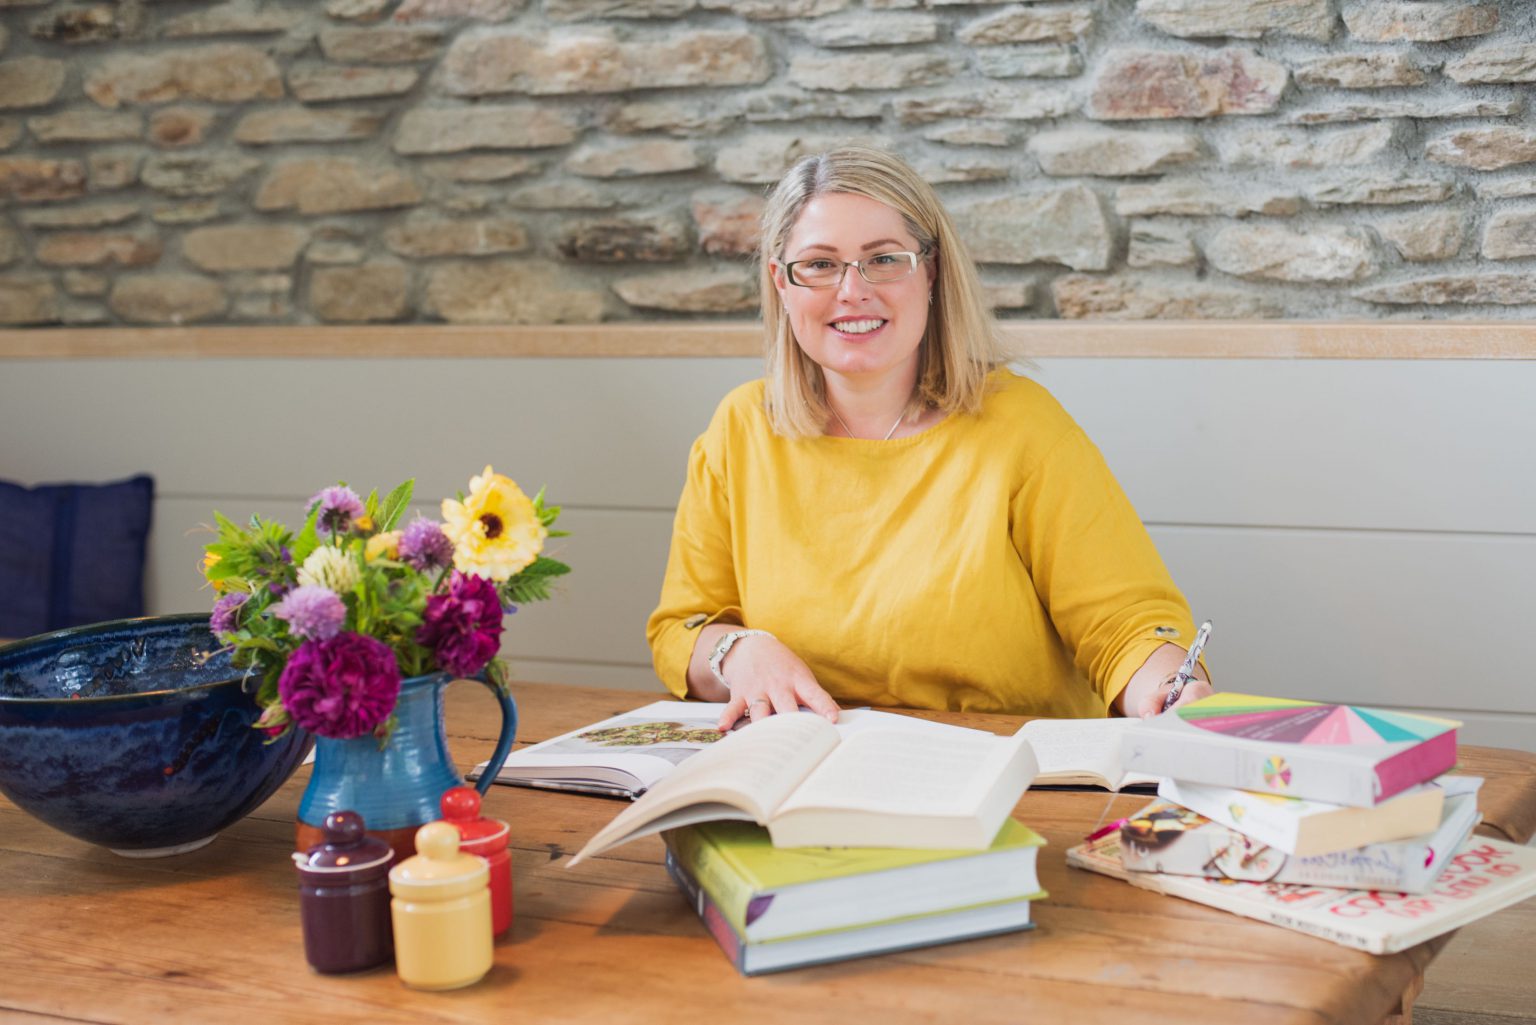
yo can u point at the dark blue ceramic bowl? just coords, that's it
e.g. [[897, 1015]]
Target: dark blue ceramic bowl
[[135, 734]]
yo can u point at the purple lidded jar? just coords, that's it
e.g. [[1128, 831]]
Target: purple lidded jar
[[344, 898]]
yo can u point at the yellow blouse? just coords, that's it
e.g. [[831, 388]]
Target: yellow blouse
[[990, 563]]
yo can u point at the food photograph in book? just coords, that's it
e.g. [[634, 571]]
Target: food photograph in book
[[672, 740]]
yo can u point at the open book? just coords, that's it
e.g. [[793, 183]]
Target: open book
[[1083, 752], [622, 756], [874, 780]]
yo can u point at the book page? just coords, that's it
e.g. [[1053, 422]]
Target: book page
[[752, 769], [1081, 751], [897, 772]]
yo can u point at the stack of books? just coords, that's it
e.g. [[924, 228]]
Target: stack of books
[[776, 908], [1330, 819]]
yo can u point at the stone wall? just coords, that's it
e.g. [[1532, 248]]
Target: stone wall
[[534, 161]]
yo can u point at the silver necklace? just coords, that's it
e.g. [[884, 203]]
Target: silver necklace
[[888, 433]]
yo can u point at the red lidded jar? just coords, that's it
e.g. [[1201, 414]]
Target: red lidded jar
[[487, 838]]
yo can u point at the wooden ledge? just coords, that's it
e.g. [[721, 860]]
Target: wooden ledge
[[1205, 339]]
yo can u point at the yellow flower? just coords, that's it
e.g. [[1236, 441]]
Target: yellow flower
[[210, 560], [363, 523], [386, 545], [330, 567], [495, 531]]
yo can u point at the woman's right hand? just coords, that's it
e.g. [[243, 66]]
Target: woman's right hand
[[767, 678]]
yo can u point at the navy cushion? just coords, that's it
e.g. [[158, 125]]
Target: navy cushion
[[72, 554]]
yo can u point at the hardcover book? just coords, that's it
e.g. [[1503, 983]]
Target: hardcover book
[[1298, 826], [1336, 753], [839, 945], [769, 893], [1165, 837], [1483, 876], [900, 785]]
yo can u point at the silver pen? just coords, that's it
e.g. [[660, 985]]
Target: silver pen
[[1182, 676]]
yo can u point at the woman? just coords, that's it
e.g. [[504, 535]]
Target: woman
[[891, 517]]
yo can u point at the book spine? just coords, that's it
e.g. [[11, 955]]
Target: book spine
[[1415, 765], [704, 860], [729, 941], [1289, 770]]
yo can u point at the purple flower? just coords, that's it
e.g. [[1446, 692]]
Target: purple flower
[[341, 688], [339, 506], [226, 612], [463, 625], [424, 546], [312, 611]]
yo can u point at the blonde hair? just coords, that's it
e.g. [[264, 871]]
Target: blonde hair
[[959, 346]]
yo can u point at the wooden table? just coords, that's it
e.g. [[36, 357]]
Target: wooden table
[[213, 936]]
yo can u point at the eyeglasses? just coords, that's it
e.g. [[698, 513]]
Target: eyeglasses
[[880, 269]]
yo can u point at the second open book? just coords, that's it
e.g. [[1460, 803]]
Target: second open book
[[874, 780]]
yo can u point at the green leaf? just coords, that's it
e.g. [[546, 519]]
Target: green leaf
[[308, 539], [394, 506]]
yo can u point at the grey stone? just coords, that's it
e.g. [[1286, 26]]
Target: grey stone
[[222, 73], [97, 24], [796, 107], [244, 247], [368, 293], [675, 117], [91, 215], [1507, 189], [1386, 190], [1510, 234], [1498, 289], [195, 211], [1029, 25], [1048, 60], [1065, 225], [1361, 71], [177, 127], [113, 169], [357, 10], [1030, 103], [846, 72], [495, 292], [1386, 21], [589, 10], [1079, 296], [236, 18], [762, 159], [562, 195], [481, 64], [429, 237], [637, 238], [775, 10], [86, 126], [30, 82], [456, 129], [871, 30], [1199, 199], [1302, 148], [973, 133], [697, 290], [98, 249], [167, 298], [301, 124], [10, 131], [458, 10], [197, 175], [1503, 62], [28, 299], [319, 84], [85, 283], [30, 179], [1243, 19], [260, 296], [486, 167], [327, 185], [1425, 235], [1157, 244], [948, 169], [632, 159], [1416, 109], [1264, 252], [729, 221], [1485, 149], [380, 45], [11, 247], [1008, 295], [1112, 152], [1140, 84]]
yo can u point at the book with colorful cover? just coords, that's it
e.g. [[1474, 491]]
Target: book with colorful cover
[[769, 893], [1482, 877], [1342, 754], [883, 937], [1296, 825], [1165, 837]]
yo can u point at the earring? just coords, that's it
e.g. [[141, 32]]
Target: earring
[[930, 298]]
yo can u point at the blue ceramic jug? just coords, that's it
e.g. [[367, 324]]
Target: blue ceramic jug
[[396, 788]]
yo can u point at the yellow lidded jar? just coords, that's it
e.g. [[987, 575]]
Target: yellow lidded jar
[[441, 911]]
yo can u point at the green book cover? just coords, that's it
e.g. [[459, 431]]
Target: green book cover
[[768, 892]]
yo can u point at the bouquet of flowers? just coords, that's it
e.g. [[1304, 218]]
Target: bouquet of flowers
[[335, 616]]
